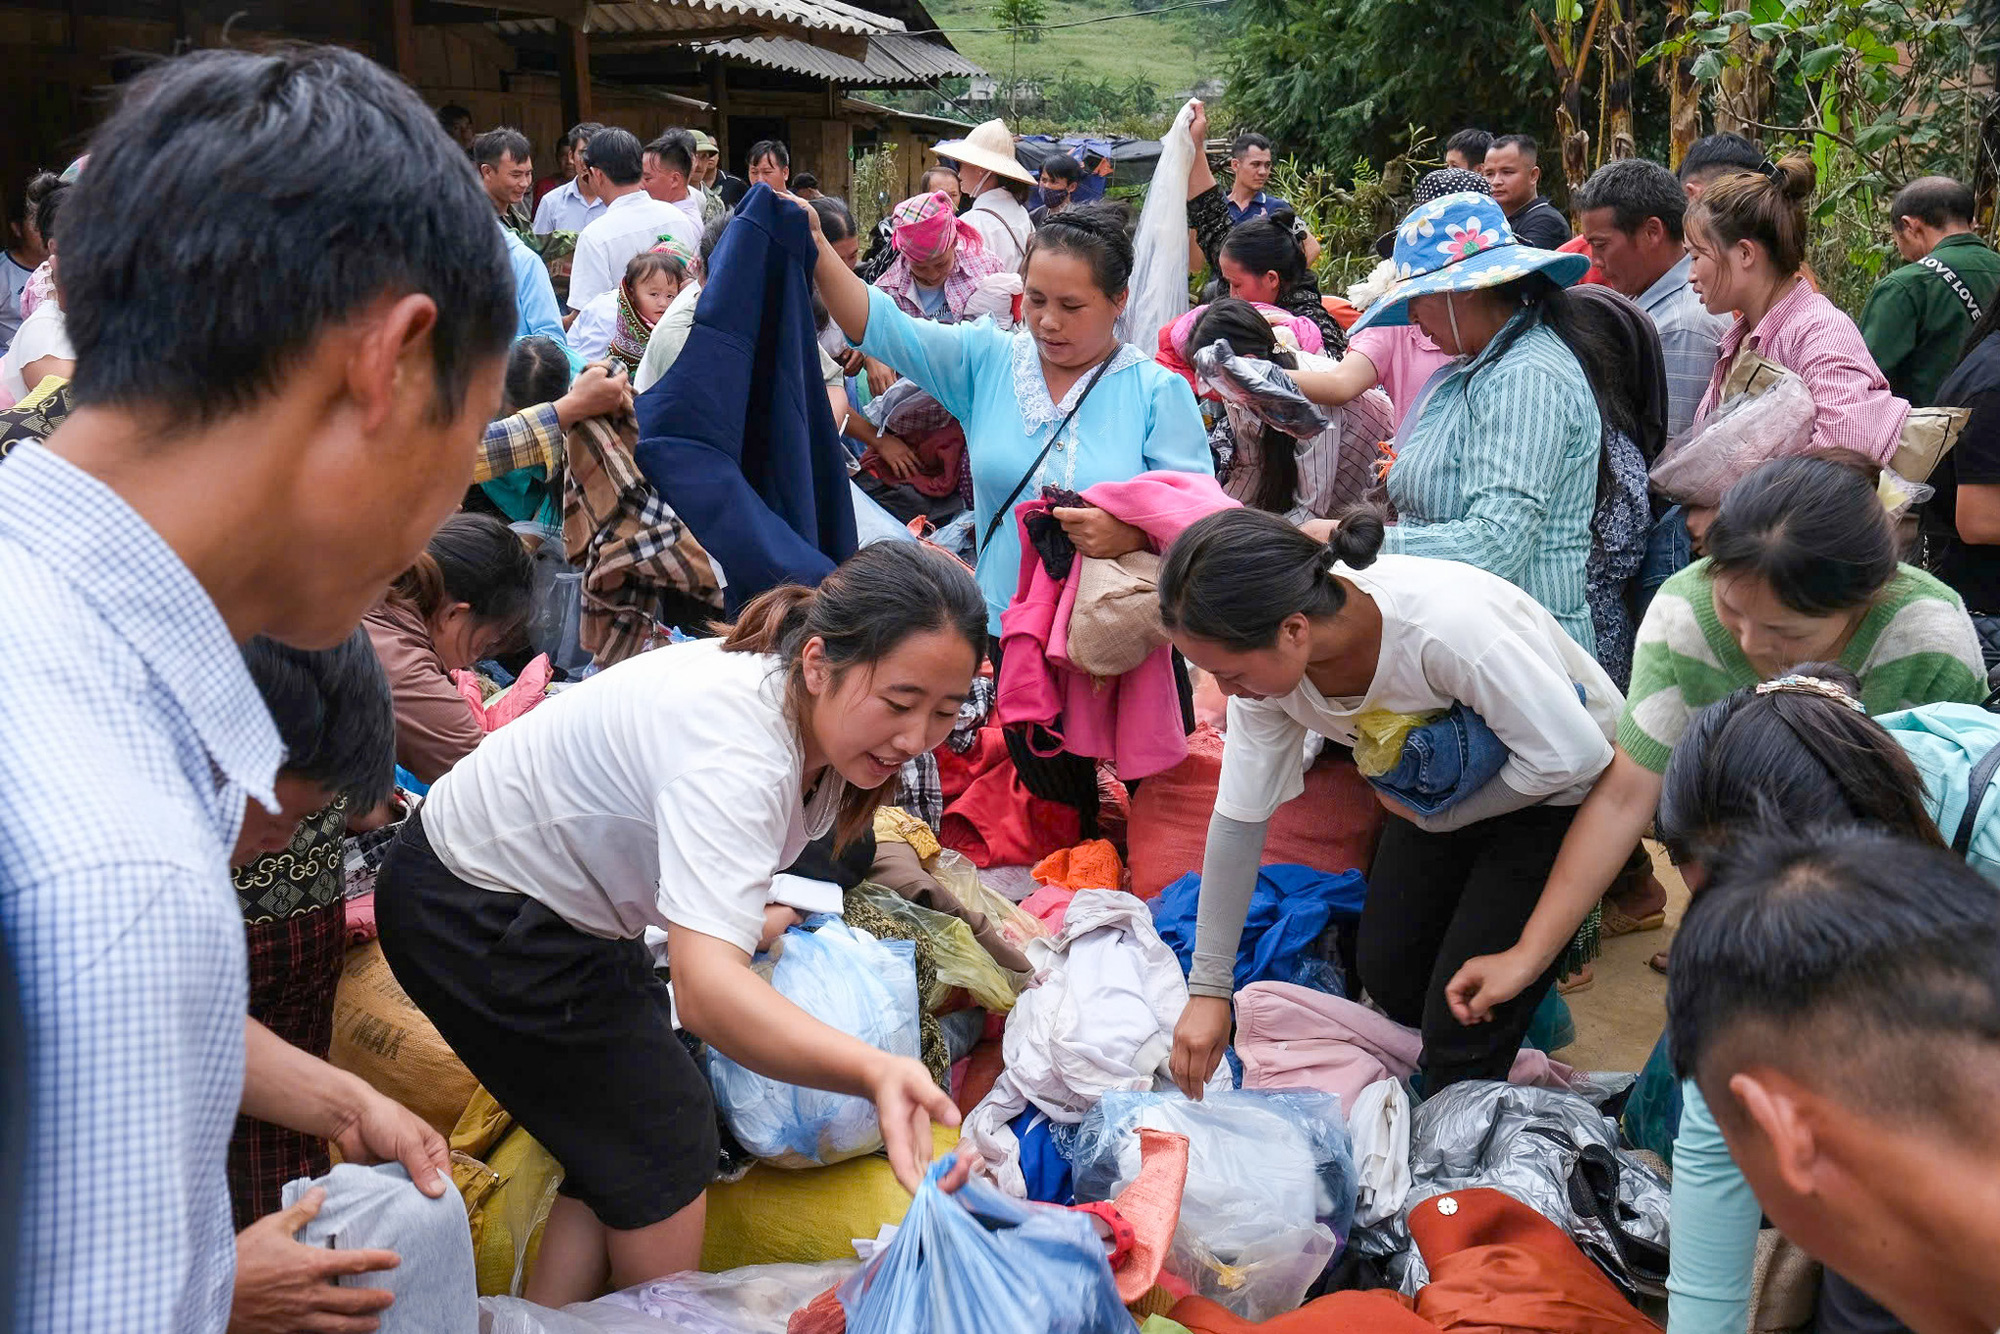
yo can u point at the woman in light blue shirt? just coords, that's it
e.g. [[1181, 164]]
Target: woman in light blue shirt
[[1800, 750], [1058, 402]]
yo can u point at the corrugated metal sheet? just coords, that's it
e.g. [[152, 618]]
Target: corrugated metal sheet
[[893, 60], [693, 17]]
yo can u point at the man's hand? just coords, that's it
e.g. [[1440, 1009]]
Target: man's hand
[[852, 361], [1096, 533], [283, 1286], [381, 1130], [596, 392], [900, 458]]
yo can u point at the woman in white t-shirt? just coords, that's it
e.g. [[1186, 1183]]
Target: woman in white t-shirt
[[1308, 638], [667, 792]]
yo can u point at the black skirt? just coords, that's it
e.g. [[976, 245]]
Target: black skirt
[[570, 1032]]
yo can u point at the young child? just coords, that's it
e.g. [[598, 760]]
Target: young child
[[621, 320]]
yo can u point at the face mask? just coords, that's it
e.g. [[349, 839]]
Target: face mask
[[1055, 198]]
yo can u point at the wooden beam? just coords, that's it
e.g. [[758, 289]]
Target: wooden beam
[[403, 38], [570, 11], [718, 94], [573, 70]]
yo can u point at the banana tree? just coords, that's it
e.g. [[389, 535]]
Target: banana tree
[[1569, 58]]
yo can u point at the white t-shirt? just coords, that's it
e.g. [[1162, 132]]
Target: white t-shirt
[[42, 334], [631, 224], [1450, 633], [663, 791], [10, 297]]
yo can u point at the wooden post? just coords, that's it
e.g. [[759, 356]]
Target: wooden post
[[403, 38], [573, 71], [718, 94]]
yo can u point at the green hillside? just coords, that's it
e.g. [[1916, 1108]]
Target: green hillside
[[1173, 50]]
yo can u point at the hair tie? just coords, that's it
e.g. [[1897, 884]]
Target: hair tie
[[1811, 685], [1768, 169]]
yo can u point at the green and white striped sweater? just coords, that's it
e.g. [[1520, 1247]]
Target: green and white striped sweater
[[1915, 646]]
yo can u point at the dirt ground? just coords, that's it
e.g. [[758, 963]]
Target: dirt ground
[[1619, 1018]]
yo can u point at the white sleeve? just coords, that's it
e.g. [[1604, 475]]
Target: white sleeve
[[43, 335], [590, 334], [589, 276], [722, 834], [1552, 742], [1263, 761], [545, 214]]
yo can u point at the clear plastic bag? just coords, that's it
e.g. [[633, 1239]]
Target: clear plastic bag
[[959, 958], [1270, 1186], [1159, 284], [979, 1262], [1262, 388], [1744, 432], [756, 1299], [860, 985], [955, 871]]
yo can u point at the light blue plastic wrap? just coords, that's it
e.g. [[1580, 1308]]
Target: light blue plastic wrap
[[980, 1262], [1270, 1186], [853, 982]]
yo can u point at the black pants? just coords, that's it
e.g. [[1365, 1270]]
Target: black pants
[[1436, 900]]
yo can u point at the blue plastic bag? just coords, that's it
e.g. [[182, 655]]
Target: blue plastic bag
[[980, 1262], [845, 978]]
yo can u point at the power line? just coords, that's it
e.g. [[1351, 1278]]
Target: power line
[[1074, 23]]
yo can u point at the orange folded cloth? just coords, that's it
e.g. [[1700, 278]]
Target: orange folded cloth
[[1092, 865], [1151, 1205], [1380, 1312]]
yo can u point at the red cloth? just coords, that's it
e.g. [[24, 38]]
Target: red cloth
[[1135, 719], [939, 453], [994, 820], [1332, 827], [982, 1068], [822, 1315], [1344, 312], [1496, 1266], [1576, 245]]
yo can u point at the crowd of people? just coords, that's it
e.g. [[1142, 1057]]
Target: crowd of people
[[766, 520]]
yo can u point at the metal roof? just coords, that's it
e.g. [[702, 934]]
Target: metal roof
[[690, 19], [893, 60]]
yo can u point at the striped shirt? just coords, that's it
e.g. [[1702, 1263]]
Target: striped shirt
[[1689, 340], [126, 754], [1500, 471], [1336, 467], [1809, 335], [1915, 646]]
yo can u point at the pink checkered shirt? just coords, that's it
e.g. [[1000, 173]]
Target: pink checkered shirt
[[1806, 333], [973, 265]]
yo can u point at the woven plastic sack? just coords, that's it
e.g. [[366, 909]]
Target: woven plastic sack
[[959, 958], [980, 1262], [866, 988], [1270, 1186], [1750, 429]]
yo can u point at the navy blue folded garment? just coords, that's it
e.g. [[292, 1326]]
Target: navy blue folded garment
[[738, 436]]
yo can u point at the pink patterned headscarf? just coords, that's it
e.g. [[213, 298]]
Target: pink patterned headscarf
[[924, 227]]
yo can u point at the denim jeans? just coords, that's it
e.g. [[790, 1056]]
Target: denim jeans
[[1669, 550], [1444, 762]]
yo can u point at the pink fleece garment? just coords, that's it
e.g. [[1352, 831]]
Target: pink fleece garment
[[1133, 720], [1295, 1037]]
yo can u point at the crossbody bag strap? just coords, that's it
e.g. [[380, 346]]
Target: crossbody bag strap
[[1005, 226], [1000, 515], [1956, 284], [1975, 798]]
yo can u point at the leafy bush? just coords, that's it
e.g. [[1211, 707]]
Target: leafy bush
[[875, 187]]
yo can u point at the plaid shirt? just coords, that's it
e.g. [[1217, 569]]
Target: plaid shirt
[[530, 438], [1689, 336], [130, 750], [959, 285], [638, 557], [1810, 336]]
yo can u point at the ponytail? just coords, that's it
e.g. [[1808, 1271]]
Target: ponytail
[[861, 613], [1234, 577], [1768, 207]]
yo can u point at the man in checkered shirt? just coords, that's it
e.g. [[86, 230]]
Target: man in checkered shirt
[[290, 310]]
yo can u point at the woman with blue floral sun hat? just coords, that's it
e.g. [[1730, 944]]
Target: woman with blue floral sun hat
[[1497, 464]]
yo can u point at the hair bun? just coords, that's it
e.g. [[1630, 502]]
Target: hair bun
[[1795, 176], [1358, 539]]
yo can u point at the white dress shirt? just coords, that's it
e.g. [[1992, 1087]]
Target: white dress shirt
[[632, 223]]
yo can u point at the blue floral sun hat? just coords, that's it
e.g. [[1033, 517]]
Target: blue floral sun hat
[[1461, 243]]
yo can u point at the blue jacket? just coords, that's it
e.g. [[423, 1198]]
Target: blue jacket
[[738, 436]]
